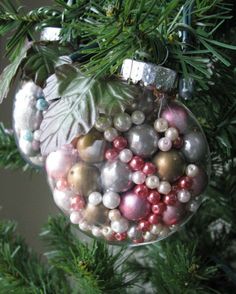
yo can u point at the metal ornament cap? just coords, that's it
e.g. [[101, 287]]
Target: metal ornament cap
[[50, 34]]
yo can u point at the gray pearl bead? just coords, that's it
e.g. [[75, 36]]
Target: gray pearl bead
[[143, 140], [195, 147], [116, 176]]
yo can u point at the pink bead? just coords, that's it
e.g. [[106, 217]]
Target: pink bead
[[120, 143], [111, 154], [144, 226], [59, 163], [121, 236], [77, 203], [154, 197], [158, 208], [141, 190], [136, 163], [149, 168], [173, 214], [153, 219], [185, 183], [170, 199], [62, 184]]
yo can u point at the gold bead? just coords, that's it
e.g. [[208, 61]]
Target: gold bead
[[84, 179], [96, 215], [170, 165]]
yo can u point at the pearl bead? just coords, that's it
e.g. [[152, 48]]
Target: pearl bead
[[136, 163], [110, 134], [42, 104], [107, 232], [137, 117], [122, 122], [84, 226], [172, 133], [134, 233], [103, 123], [154, 197], [120, 143], [161, 125], [96, 232], [111, 200], [183, 196], [120, 226], [125, 155], [75, 217], [111, 154], [164, 144], [192, 170], [156, 229], [95, 198], [138, 177], [193, 206], [114, 215], [148, 236], [159, 208], [164, 187], [149, 168], [152, 182], [141, 190]]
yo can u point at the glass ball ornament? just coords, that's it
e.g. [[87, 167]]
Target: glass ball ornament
[[136, 176]]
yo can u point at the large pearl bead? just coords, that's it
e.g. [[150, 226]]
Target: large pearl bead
[[143, 140], [173, 214], [96, 215], [195, 147], [134, 207], [58, 163], [199, 183], [183, 196], [170, 165], [122, 122], [116, 176], [192, 170], [91, 147], [84, 179]]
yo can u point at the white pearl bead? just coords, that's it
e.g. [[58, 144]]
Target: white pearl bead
[[138, 177], [183, 196], [114, 214], [37, 135], [125, 155], [172, 133], [148, 236], [96, 232], [137, 117], [164, 144], [84, 226], [164, 187], [156, 229], [110, 134], [152, 182], [95, 198], [102, 123], [161, 125], [111, 200], [62, 199], [122, 122], [192, 170], [107, 232], [75, 217], [120, 226]]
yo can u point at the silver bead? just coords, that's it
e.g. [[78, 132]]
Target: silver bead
[[120, 226], [160, 125], [137, 117], [103, 123], [192, 170], [138, 177], [95, 198], [111, 200], [172, 133], [164, 144], [125, 155], [152, 182], [122, 122], [164, 187], [183, 196], [110, 134]]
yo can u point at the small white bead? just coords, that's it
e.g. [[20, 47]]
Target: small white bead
[[114, 214], [125, 155], [161, 125], [152, 182], [148, 236], [96, 231], [107, 232], [137, 117], [183, 196], [192, 170], [164, 144], [164, 187], [75, 217], [138, 177], [111, 200], [156, 229], [95, 198], [37, 135], [172, 133], [110, 134], [84, 226], [120, 226]]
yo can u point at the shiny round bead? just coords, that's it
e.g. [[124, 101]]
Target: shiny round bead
[[172, 133], [120, 143], [42, 104], [183, 196], [103, 123], [152, 182], [27, 135], [147, 236], [154, 197], [96, 232], [136, 163], [156, 229], [111, 200], [62, 199], [137, 117], [107, 232], [158, 208], [138, 177], [37, 135], [193, 206], [185, 182], [62, 184], [110, 134], [95, 198], [170, 199], [144, 226], [164, 187], [122, 122], [84, 226], [164, 232], [114, 215], [120, 226], [125, 155], [134, 233], [192, 170], [111, 154], [141, 190], [75, 217], [149, 168], [164, 144], [153, 219], [161, 125], [121, 236]]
